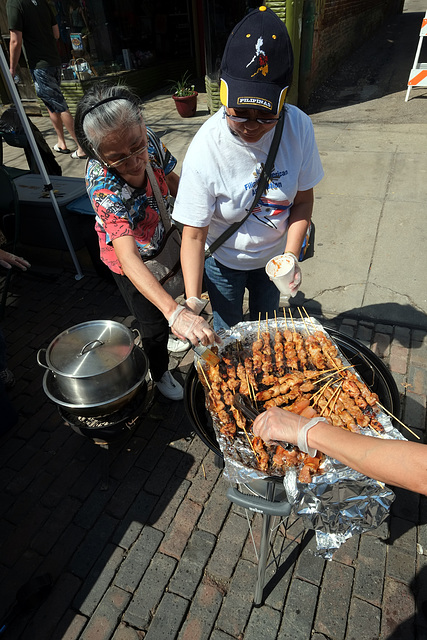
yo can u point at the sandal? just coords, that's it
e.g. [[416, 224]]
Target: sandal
[[59, 149], [76, 156]]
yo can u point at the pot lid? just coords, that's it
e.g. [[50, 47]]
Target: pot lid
[[90, 348]]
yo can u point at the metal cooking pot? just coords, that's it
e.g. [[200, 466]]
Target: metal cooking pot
[[99, 409], [93, 362]]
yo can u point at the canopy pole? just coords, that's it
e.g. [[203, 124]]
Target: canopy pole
[[40, 164]]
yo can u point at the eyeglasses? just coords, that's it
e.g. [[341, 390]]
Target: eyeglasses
[[119, 163], [259, 120]]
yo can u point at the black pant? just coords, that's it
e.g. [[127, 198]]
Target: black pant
[[152, 326]]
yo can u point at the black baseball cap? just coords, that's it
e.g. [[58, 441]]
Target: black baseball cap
[[257, 64]]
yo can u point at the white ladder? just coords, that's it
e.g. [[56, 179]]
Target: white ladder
[[418, 74]]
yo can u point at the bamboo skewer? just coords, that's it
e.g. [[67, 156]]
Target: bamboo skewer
[[336, 400], [284, 315], [204, 375], [320, 392], [250, 387], [334, 372], [292, 320], [311, 322], [250, 442], [397, 419], [320, 372], [334, 395], [303, 319]]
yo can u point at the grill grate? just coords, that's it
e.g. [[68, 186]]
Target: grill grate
[[129, 413]]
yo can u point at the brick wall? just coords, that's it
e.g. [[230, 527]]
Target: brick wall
[[340, 27]]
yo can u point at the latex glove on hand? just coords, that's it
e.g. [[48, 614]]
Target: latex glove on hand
[[296, 282], [187, 325], [279, 425], [196, 305]]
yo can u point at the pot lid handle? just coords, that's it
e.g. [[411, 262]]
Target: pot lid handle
[[93, 344]]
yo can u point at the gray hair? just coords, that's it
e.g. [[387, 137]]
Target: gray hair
[[103, 110]]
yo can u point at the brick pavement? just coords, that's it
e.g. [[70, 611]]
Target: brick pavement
[[161, 552]]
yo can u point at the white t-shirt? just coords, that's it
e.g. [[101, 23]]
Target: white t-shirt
[[218, 183]]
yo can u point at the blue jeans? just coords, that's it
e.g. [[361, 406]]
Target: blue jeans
[[226, 288]]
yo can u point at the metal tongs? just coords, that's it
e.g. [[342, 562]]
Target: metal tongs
[[244, 405]]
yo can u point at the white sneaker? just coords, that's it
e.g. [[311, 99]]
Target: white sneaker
[[169, 387], [175, 345]]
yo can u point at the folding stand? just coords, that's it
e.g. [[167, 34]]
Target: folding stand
[[418, 74], [269, 508]]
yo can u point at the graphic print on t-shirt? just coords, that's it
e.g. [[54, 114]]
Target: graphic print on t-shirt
[[266, 209]]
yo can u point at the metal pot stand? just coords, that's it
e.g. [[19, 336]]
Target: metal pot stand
[[113, 429], [267, 496]]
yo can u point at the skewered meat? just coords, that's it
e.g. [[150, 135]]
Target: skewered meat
[[286, 369], [263, 458]]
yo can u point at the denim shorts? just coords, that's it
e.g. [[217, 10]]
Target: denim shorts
[[47, 83], [226, 288]]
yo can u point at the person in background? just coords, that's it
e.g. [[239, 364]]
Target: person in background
[[33, 22], [112, 132], [8, 415], [223, 165], [396, 462]]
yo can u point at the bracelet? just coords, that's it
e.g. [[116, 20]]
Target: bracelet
[[302, 436], [175, 314], [289, 253]]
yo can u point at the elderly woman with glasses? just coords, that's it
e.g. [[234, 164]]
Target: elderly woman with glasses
[[222, 168], [111, 130]]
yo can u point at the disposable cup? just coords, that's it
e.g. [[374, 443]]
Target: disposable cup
[[281, 271]]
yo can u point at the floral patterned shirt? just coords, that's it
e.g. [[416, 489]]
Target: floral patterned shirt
[[123, 210]]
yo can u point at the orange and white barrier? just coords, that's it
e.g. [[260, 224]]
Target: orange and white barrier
[[418, 74]]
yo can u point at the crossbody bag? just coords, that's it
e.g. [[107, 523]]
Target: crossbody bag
[[165, 264], [262, 182]]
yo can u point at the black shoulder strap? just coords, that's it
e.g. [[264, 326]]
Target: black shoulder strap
[[263, 179]]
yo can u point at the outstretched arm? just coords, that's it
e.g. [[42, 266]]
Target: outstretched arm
[[299, 219], [396, 462], [193, 259], [183, 322], [15, 47], [172, 180]]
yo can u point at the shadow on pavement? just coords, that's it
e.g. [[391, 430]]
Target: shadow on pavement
[[380, 66]]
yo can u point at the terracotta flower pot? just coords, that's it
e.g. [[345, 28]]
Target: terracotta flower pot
[[186, 105]]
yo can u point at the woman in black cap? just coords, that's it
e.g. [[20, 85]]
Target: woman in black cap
[[222, 168]]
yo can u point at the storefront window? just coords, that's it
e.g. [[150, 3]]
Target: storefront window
[[107, 36]]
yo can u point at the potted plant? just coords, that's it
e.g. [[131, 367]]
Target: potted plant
[[185, 96]]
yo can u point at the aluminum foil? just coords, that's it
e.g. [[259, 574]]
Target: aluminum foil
[[339, 502]]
